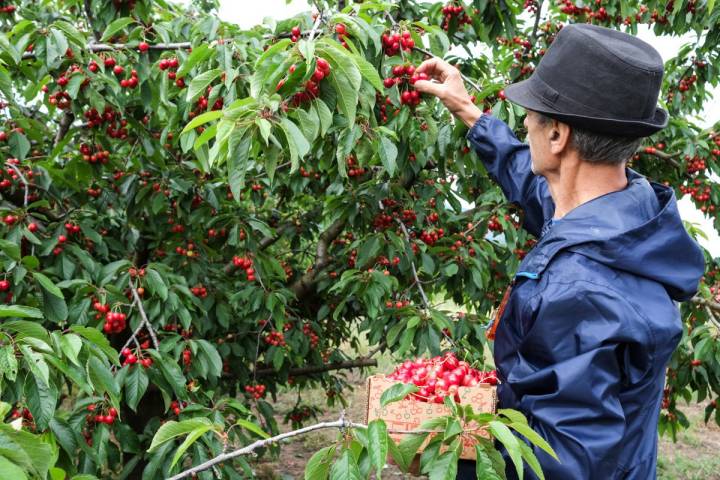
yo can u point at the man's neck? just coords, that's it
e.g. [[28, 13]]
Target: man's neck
[[577, 182]]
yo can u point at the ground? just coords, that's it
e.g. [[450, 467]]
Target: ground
[[693, 457]]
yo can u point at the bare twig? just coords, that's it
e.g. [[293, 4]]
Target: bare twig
[[297, 372], [23, 180], [665, 156], [341, 423], [714, 306], [316, 25], [65, 124], [143, 315], [465, 78], [533, 35], [91, 20]]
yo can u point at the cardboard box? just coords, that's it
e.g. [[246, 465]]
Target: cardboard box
[[408, 415]]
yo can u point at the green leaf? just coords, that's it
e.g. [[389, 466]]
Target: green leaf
[[396, 393], [36, 364], [453, 428], [265, 65], [41, 401], [388, 154], [199, 53], [11, 249], [368, 251], [8, 363], [65, 436], [445, 467], [345, 77], [252, 427], [377, 444], [299, 146], [370, 73], [211, 353], [345, 468], [318, 467], [202, 119], [54, 308], [483, 465], [529, 456], [102, 379], [19, 311], [25, 328], [189, 440], [199, 84], [534, 438], [324, 114], [115, 27], [503, 434], [19, 144], [171, 429], [237, 161], [136, 383], [97, 339], [156, 284], [71, 345], [10, 470]]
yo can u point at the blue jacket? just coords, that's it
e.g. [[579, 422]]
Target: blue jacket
[[591, 322]]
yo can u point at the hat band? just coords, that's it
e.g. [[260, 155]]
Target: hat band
[[551, 97]]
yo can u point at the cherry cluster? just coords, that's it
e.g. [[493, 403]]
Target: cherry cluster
[[171, 65], [295, 32], [700, 194], [131, 82], [25, 414], [186, 357], [397, 304], [341, 31], [695, 164], [101, 308], [440, 377], [247, 265], [7, 9], [393, 42], [308, 331], [256, 391], [96, 415], [131, 358], [353, 169], [300, 414], [275, 338], [352, 258], [494, 225], [430, 237], [115, 322], [117, 127], [199, 291], [94, 154], [177, 407], [453, 11], [405, 74], [312, 86]]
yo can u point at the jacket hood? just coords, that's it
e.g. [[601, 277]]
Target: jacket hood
[[637, 229]]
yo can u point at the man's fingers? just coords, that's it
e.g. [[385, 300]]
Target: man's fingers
[[434, 68], [425, 86]]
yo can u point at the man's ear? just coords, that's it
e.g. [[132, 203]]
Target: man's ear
[[559, 136]]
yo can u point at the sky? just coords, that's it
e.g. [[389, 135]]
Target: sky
[[237, 12]]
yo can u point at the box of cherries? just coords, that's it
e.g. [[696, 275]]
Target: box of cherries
[[436, 378]]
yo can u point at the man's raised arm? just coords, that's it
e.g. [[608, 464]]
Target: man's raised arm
[[505, 157]]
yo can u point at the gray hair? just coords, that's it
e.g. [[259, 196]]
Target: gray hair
[[598, 147]]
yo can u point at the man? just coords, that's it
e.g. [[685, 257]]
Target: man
[[591, 320]]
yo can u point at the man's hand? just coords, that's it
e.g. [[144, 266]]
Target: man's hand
[[450, 89]]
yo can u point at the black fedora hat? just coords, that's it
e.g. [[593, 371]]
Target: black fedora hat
[[598, 79]]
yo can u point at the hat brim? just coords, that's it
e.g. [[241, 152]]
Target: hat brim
[[522, 93]]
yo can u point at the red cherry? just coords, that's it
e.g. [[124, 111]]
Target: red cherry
[[323, 65], [295, 31], [33, 227], [143, 46], [340, 29]]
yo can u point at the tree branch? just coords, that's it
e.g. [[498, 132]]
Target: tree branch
[[714, 306], [341, 423], [665, 156], [91, 20], [23, 180], [65, 124], [303, 285], [297, 372], [143, 315]]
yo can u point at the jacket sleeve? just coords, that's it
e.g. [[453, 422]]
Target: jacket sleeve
[[568, 373], [507, 161]]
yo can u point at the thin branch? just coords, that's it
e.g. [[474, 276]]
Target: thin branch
[[316, 25], [23, 180], [464, 77], [341, 424], [297, 372], [665, 156], [109, 47], [65, 124], [714, 306], [301, 286], [533, 35], [143, 315], [91, 20]]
